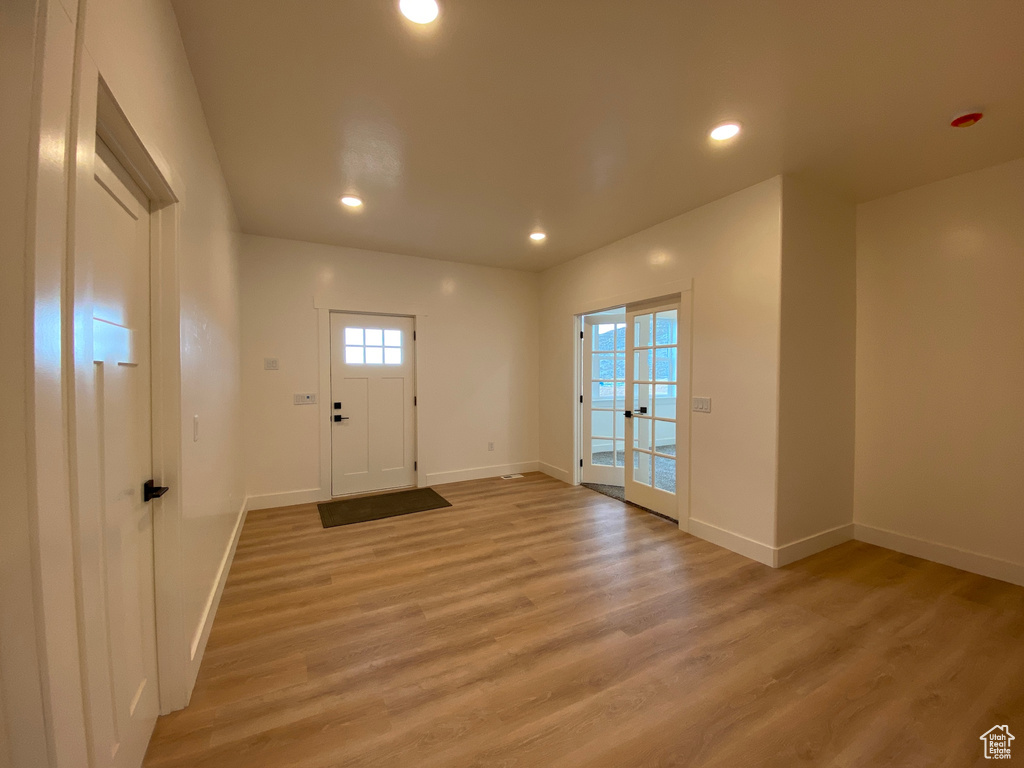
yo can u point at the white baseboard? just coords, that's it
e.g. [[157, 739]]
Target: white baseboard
[[812, 545], [287, 499], [1004, 570], [478, 473], [202, 632], [755, 550], [552, 471]]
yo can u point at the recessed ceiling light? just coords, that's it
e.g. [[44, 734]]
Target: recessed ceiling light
[[966, 120], [725, 131], [419, 11], [537, 236], [351, 201]]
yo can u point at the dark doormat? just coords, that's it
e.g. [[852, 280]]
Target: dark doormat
[[366, 508], [615, 491]]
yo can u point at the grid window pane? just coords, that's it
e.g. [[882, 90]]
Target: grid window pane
[[601, 453], [665, 437], [354, 355], [642, 331], [642, 467], [374, 356], [603, 366], [392, 356], [665, 474], [620, 395], [665, 364], [374, 337], [620, 453], [604, 337], [602, 390], [602, 423], [643, 365], [392, 338], [666, 328], [354, 336], [620, 367], [642, 397], [620, 336], [642, 433], [665, 401]]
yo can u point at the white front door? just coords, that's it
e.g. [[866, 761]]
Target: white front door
[[654, 445], [117, 235], [372, 401]]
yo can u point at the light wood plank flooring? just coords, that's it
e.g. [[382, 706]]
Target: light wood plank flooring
[[537, 624]]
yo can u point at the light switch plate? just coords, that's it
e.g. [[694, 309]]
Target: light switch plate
[[702, 404], [269, 363], [307, 398]]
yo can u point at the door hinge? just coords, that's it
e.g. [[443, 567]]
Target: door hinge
[[415, 466], [414, 335], [581, 398], [414, 400], [581, 334], [581, 462]]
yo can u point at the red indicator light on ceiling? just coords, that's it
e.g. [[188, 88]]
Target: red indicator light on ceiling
[[966, 120]]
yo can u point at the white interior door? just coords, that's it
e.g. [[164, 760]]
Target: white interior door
[[654, 441], [373, 396], [604, 398], [117, 235]]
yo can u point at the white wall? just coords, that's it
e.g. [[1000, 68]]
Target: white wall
[[940, 371], [730, 250], [477, 347], [816, 369]]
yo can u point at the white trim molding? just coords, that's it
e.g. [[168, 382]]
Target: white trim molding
[[479, 473], [202, 630], [556, 472], [984, 565], [812, 545], [287, 499], [755, 550]]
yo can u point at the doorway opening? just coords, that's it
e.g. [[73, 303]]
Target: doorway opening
[[633, 438]]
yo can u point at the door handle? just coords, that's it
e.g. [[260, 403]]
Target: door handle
[[641, 410], [628, 414], [340, 418], [151, 490]]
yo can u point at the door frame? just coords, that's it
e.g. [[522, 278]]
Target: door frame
[[681, 291], [97, 113], [324, 312]]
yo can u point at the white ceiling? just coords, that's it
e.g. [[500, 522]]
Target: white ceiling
[[587, 118]]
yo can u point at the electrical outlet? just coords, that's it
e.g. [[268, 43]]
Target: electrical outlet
[[307, 398], [490, 446], [702, 404], [269, 363]]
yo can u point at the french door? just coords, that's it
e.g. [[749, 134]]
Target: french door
[[651, 412], [604, 398]]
